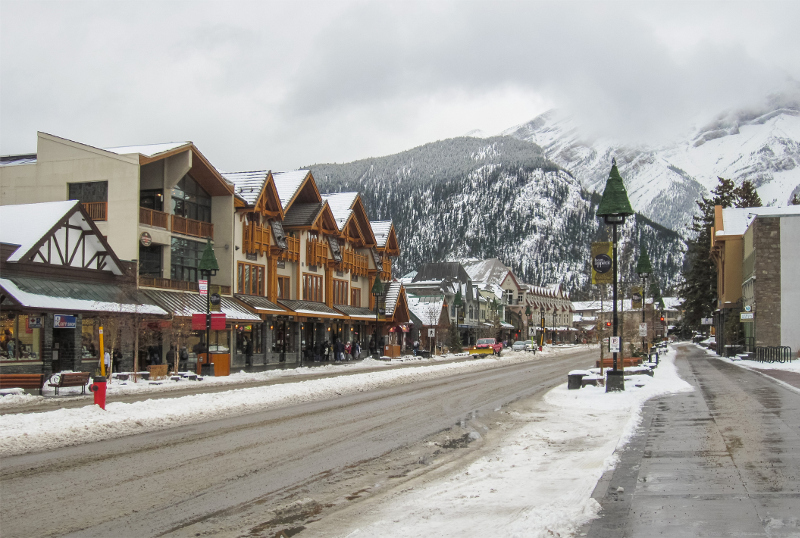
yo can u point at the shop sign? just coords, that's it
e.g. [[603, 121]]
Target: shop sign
[[35, 322], [64, 322], [145, 239]]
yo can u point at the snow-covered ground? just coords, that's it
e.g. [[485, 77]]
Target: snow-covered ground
[[793, 366], [537, 483]]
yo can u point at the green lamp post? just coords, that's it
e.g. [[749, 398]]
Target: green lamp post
[[614, 207], [208, 267], [644, 270]]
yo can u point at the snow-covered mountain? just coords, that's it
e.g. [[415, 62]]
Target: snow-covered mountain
[[761, 144], [496, 197]]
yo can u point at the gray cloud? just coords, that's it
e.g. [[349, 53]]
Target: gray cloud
[[283, 84]]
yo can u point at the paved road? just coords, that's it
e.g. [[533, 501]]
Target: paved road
[[723, 460], [223, 477]]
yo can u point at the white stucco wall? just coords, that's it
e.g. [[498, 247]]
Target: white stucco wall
[[790, 282]]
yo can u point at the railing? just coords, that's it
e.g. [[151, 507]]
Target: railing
[[96, 210], [292, 253], [361, 265], [316, 252], [196, 228], [256, 239], [348, 259], [774, 354], [151, 217], [181, 285]]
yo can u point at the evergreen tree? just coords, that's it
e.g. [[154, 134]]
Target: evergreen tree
[[454, 339], [746, 195]]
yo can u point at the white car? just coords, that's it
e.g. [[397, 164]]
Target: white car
[[522, 345]]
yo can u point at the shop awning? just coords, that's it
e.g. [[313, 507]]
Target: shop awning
[[356, 312], [310, 309], [185, 304], [262, 305], [54, 295]]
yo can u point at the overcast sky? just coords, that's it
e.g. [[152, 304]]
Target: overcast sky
[[280, 85]]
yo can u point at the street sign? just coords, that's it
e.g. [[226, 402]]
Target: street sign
[[613, 344], [431, 332], [707, 321], [643, 329], [746, 316], [203, 285]]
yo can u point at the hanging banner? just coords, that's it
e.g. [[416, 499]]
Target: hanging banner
[[636, 297], [601, 263]]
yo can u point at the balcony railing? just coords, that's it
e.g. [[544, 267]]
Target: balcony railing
[[292, 253], [356, 263], [166, 283], [151, 217], [256, 239], [96, 210], [196, 228], [316, 252]]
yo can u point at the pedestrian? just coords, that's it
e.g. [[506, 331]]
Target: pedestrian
[[183, 363], [356, 351], [347, 351], [171, 357], [107, 362], [327, 349], [339, 350], [248, 352], [416, 347], [317, 351]]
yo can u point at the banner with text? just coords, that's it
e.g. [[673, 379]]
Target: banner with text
[[601, 263]]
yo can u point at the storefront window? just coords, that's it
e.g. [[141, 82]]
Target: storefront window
[[20, 341], [90, 343], [282, 336], [249, 333], [195, 343]]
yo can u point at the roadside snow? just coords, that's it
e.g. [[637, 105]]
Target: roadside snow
[[26, 432], [539, 482]]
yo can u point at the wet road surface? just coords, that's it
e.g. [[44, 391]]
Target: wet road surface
[[226, 477], [723, 460]]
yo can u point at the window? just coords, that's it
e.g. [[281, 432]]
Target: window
[[250, 279], [519, 298], [249, 334], [355, 297], [312, 288], [150, 261], [186, 256], [283, 287], [94, 191], [190, 201], [509, 296], [152, 199], [470, 313], [18, 340], [340, 292]]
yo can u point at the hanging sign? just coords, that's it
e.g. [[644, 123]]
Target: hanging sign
[[145, 239], [64, 322], [636, 297], [602, 263], [613, 344]]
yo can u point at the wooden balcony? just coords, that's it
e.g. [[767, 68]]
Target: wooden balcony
[[361, 265], [355, 263], [180, 285], [386, 271], [151, 217], [96, 210], [195, 228], [292, 253], [316, 252], [256, 239]]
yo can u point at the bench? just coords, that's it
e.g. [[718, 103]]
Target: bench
[[608, 362], [71, 379], [22, 381]]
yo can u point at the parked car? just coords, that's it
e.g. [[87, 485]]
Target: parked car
[[522, 345]]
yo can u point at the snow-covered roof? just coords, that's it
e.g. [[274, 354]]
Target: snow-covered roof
[[341, 204], [148, 150], [492, 271], [381, 231], [11, 160], [14, 232], [735, 220], [426, 308], [248, 185], [287, 184], [391, 297]]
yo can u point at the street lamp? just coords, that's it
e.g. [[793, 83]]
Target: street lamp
[[457, 302], [643, 269], [614, 207], [553, 336], [208, 266], [377, 291]]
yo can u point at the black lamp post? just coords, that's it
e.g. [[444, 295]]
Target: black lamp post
[[377, 292], [553, 330], [457, 302], [644, 269], [543, 336], [208, 267], [614, 207]]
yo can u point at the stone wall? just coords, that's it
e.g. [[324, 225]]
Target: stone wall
[[767, 289]]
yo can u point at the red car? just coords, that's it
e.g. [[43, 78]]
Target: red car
[[485, 346]]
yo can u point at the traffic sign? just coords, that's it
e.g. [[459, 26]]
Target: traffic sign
[[613, 344], [643, 329]]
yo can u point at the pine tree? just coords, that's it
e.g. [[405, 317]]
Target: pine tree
[[747, 195], [454, 340]]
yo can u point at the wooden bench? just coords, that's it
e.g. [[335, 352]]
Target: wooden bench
[[22, 381], [608, 362], [71, 379]]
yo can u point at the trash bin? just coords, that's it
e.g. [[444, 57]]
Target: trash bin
[[207, 369], [574, 380]]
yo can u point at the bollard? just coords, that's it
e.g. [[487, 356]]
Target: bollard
[[99, 389]]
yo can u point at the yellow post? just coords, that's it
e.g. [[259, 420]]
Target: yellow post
[[102, 355]]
